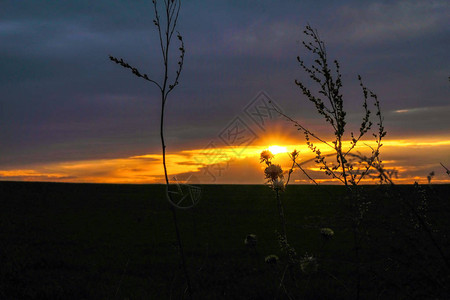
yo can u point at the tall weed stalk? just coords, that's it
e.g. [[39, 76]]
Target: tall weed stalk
[[166, 25]]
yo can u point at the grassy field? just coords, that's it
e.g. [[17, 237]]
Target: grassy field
[[93, 241]]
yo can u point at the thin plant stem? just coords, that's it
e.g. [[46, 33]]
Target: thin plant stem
[[164, 94], [446, 169], [281, 215], [281, 283], [172, 208], [172, 9]]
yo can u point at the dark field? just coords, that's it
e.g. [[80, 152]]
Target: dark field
[[92, 241]]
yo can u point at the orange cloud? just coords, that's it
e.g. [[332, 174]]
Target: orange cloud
[[414, 159]]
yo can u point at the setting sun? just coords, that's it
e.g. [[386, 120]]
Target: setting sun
[[277, 149]]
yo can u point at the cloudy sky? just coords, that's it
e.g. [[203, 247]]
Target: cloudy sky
[[67, 113]]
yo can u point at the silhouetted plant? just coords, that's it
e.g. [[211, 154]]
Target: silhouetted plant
[[446, 169], [326, 233], [344, 164], [166, 26], [294, 266], [275, 179], [349, 168], [430, 176], [271, 259], [250, 240]]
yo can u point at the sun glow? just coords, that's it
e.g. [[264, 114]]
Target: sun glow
[[277, 149]]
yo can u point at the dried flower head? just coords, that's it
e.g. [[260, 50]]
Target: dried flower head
[[326, 233], [266, 157], [294, 154], [271, 259], [273, 172], [250, 240]]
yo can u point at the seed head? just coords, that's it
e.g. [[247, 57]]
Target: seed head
[[273, 172]]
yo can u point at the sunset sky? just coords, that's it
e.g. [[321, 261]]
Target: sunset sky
[[67, 113]]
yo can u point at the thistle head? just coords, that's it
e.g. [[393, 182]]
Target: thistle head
[[250, 240], [273, 172], [271, 259], [326, 233], [266, 157]]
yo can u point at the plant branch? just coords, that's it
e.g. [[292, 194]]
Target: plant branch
[[135, 71]]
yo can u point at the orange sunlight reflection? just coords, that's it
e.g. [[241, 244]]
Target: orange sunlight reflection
[[414, 160]]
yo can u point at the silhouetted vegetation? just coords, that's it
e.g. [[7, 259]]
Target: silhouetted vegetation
[[166, 26], [349, 168]]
